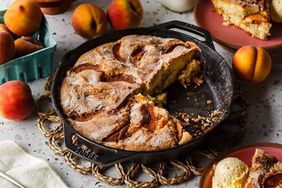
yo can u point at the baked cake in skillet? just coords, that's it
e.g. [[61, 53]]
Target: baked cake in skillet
[[107, 95], [252, 16]]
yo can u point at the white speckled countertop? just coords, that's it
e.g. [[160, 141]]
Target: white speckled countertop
[[264, 122]]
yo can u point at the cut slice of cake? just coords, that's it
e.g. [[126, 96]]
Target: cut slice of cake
[[262, 162], [252, 16]]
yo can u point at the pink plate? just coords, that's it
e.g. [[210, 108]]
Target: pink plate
[[243, 153], [206, 17]]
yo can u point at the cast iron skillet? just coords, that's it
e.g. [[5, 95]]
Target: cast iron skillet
[[218, 87]]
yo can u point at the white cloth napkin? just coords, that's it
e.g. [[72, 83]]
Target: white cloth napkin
[[29, 171]]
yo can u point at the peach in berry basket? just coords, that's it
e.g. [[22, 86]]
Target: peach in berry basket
[[16, 101], [3, 27], [89, 20], [252, 63], [23, 17], [125, 14], [7, 47], [27, 45]]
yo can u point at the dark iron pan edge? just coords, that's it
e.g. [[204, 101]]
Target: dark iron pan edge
[[105, 155]]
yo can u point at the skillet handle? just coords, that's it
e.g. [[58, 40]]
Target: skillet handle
[[202, 33], [98, 154]]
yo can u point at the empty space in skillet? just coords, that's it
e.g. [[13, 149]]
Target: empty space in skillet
[[212, 95]]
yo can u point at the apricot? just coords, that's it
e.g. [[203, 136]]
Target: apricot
[[89, 20], [16, 101], [252, 63], [7, 47], [27, 45], [23, 17], [125, 14]]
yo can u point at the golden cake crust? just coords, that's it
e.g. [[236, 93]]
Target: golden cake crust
[[100, 96]]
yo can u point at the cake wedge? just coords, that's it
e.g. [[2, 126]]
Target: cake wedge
[[253, 16]]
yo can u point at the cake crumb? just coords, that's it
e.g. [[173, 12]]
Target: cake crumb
[[209, 102]]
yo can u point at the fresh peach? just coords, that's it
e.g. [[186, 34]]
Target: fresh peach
[[23, 17], [3, 27], [252, 63], [125, 14], [7, 47], [16, 101], [89, 20], [27, 45]]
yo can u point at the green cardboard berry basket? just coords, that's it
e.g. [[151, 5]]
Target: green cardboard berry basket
[[33, 66]]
